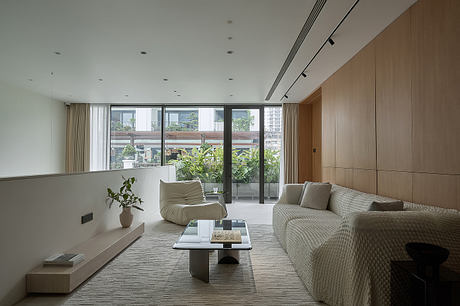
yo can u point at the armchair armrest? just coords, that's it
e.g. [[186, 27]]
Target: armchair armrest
[[290, 194]]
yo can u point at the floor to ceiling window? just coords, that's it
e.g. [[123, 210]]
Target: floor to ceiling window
[[192, 139], [135, 137]]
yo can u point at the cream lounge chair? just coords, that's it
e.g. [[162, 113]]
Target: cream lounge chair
[[181, 202]]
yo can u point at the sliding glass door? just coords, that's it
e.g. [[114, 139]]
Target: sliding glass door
[[272, 153], [245, 155]]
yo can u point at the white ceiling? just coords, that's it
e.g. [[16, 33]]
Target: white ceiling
[[186, 42]]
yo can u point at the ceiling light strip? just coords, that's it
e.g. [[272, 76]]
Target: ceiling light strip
[[303, 33], [321, 48]]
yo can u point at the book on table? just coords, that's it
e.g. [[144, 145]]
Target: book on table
[[226, 236], [64, 260]]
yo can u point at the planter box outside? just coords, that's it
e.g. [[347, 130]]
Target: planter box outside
[[251, 190]]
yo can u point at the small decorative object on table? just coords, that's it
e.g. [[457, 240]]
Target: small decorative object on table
[[127, 199], [64, 260], [226, 236]]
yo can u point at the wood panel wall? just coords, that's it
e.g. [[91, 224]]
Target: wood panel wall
[[391, 115]]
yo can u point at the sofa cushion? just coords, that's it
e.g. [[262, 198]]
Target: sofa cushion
[[304, 236], [283, 213], [290, 194], [304, 188], [387, 206], [316, 196]]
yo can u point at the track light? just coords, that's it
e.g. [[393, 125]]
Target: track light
[[286, 96], [331, 41], [304, 74]]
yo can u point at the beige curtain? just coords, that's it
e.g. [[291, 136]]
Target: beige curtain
[[290, 141], [77, 138]]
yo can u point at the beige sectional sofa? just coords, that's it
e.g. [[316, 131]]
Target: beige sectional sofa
[[343, 254]]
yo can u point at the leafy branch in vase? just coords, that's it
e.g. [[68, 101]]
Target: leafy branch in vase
[[125, 196]]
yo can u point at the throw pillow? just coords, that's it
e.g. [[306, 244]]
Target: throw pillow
[[302, 192], [387, 206], [316, 196]]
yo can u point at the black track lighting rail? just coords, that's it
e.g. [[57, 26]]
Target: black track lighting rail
[[317, 7], [328, 40]]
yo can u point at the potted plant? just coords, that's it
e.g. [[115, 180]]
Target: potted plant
[[128, 152], [127, 199]]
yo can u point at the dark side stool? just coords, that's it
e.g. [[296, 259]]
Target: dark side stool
[[410, 286]]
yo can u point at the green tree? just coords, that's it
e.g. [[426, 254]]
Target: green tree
[[243, 124]]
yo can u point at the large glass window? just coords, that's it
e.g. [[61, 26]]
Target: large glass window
[[135, 137], [192, 139], [194, 144]]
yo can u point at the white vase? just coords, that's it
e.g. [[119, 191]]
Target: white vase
[[126, 217]]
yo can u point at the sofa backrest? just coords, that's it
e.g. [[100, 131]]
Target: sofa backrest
[[183, 192], [344, 200]]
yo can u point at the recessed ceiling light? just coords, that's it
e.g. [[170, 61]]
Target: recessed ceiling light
[[30, 80], [231, 95], [57, 53], [178, 95], [229, 38], [143, 52], [101, 80], [175, 90], [165, 79], [229, 52], [126, 95], [229, 21], [230, 79]]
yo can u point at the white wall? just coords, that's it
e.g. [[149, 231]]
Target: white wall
[[32, 133], [42, 215]]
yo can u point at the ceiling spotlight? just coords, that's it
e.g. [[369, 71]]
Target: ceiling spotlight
[[230, 79], [143, 52], [101, 80], [229, 21], [331, 41], [175, 90], [57, 53], [126, 96], [178, 95], [231, 95], [229, 38], [286, 96], [165, 79], [30, 80], [229, 52], [304, 74]]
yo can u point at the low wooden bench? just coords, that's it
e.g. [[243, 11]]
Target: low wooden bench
[[98, 251]]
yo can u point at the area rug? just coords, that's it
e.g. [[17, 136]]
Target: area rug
[[150, 272]]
